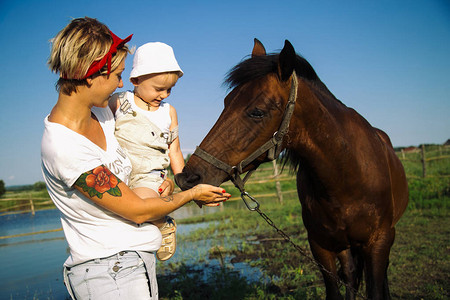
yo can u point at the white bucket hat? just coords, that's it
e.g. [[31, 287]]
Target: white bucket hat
[[153, 58]]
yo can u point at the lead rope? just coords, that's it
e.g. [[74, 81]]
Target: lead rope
[[255, 207]]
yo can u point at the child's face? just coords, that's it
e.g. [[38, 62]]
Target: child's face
[[154, 88]]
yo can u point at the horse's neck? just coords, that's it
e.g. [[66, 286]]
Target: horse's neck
[[318, 116], [320, 135]]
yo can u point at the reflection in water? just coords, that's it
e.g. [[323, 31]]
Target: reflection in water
[[32, 265], [21, 243]]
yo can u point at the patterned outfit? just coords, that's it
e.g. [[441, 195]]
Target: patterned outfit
[[145, 136]]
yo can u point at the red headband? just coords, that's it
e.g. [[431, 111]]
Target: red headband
[[97, 65]]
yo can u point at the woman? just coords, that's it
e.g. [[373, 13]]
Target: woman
[[106, 225]]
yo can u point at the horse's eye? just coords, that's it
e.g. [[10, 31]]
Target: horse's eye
[[256, 113]]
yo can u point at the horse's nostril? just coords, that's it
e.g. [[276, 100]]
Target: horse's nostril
[[187, 180], [193, 178]]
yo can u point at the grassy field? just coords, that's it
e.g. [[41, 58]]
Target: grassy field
[[419, 266], [24, 201], [419, 261]]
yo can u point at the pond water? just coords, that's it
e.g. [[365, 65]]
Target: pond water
[[31, 266]]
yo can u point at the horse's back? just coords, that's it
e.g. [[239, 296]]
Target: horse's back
[[384, 137]]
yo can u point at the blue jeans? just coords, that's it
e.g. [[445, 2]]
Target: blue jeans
[[123, 276]]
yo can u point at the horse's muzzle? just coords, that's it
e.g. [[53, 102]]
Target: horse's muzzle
[[187, 180]]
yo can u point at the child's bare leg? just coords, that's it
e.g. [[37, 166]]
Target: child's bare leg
[[144, 192], [166, 225]]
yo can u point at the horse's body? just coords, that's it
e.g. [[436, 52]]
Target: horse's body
[[351, 184]]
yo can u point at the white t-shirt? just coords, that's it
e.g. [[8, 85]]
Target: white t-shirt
[[91, 231]]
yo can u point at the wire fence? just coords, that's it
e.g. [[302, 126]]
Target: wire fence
[[24, 204], [267, 173], [425, 157]]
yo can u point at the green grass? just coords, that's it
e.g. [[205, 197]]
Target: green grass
[[419, 260], [20, 201], [419, 266], [431, 193]]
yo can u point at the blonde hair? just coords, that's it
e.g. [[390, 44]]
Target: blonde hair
[[170, 77], [76, 47]]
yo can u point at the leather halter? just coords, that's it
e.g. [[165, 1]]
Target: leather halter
[[272, 147]]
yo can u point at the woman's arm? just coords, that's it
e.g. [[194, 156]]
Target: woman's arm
[[106, 190]]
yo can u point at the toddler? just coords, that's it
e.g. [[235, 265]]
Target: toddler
[[147, 128]]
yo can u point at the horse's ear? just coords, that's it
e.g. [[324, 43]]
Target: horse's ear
[[286, 61], [258, 49]]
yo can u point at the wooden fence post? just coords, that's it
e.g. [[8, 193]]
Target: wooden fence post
[[277, 183], [31, 205], [424, 166]]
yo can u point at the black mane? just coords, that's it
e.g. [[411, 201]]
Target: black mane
[[260, 66]]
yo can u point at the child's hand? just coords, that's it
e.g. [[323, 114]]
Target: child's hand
[[166, 188]]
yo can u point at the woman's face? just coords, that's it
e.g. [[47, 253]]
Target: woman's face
[[105, 85]]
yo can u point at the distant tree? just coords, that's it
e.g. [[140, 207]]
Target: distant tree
[[39, 186], [2, 188]]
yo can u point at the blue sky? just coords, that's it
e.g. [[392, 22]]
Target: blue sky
[[389, 60]]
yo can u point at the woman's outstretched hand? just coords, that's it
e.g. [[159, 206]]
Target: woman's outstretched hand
[[205, 194]]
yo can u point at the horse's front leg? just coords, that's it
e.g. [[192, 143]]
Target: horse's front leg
[[376, 258], [351, 267], [328, 260]]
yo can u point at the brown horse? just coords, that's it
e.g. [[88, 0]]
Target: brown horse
[[351, 185]]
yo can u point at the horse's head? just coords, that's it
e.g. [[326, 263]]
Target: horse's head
[[253, 112]]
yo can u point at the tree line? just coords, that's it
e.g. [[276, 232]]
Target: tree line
[[37, 186]]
